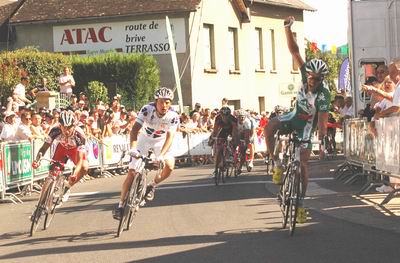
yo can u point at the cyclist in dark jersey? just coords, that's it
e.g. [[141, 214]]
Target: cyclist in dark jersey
[[225, 125], [310, 111]]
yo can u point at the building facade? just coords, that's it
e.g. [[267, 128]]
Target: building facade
[[225, 48]]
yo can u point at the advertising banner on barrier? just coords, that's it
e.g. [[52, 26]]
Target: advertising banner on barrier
[[387, 149], [179, 145], [43, 170], [17, 162], [93, 151], [198, 144], [1, 174], [113, 148], [259, 143]]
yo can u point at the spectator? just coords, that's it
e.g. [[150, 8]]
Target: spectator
[[19, 95], [131, 121], [101, 109], [381, 72], [116, 109], [347, 111], [36, 127], [389, 87], [74, 102], [84, 98], [10, 127], [211, 120], [263, 122], [24, 129], [67, 82], [197, 108], [394, 73], [42, 86], [204, 120], [224, 102]]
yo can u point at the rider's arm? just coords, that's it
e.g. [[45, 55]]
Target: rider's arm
[[42, 150], [292, 45], [134, 134], [322, 123]]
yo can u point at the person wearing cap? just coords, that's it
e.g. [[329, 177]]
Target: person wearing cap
[[67, 82], [10, 127]]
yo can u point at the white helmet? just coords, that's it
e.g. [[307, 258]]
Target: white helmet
[[164, 93], [67, 118], [241, 112], [317, 66]]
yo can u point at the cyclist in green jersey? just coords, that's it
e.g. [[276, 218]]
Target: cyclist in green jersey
[[310, 111]]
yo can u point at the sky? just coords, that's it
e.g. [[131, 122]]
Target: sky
[[328, 25]]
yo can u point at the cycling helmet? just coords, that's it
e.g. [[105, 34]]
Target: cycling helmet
[[67, 118], [278, 108], [225, 111], [241, 112], [164, 93], [317, 66]]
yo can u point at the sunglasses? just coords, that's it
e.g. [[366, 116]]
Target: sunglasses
[[315, 78]]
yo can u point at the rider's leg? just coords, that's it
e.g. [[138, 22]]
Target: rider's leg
[[126, 185], [78, 157], [166, 172], [270, 130], [304, 157]]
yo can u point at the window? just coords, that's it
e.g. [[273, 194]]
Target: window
[[209, 47], [295, 67], [273, 57], [233, 50], [259, 49], [261, 104]]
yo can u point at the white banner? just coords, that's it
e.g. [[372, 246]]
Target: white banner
[[147, 36], [93, 152], [179, 145], [113, 148], [388, 142], [198, 144]]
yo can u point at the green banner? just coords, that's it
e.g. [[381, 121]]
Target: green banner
[[18, 162], [43, 169]]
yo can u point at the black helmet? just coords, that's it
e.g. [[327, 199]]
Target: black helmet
[[225, 111]]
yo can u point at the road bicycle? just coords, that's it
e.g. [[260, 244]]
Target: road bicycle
[[135, 197], [225, 166], [50, 196], [291, 187], [241, 156]]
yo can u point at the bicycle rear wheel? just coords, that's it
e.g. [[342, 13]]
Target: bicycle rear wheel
[[294, 200], [40, 208]]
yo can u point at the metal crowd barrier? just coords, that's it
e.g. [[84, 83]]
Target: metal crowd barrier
[[16, 158], [372, 150]]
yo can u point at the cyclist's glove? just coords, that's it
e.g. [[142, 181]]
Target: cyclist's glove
[[134, 153]]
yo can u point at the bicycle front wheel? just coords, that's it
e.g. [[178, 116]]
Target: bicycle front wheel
[[284, 194], [137, 199], [40, 207], [294, 200], [54, 200]]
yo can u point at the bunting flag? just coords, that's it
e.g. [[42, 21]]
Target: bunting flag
[[344, 50], [334, 49], [314, 47], [323, 47]]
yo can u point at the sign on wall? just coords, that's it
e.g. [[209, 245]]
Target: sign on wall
[[287, 89], [148, 36]]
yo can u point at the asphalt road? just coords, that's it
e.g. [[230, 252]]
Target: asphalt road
[[192, 220]]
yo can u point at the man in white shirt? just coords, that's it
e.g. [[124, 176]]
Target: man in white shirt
[[347, 111], [67, 82], [19, 92], [9, 128], [24, 129]]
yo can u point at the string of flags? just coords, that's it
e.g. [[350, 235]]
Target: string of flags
[[342, 50]]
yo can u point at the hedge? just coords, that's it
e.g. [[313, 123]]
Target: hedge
[[29, 62], [134, 76]]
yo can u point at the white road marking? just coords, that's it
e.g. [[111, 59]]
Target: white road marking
[[84, 194]]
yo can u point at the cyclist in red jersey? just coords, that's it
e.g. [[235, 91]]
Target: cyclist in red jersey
[[69, 142]]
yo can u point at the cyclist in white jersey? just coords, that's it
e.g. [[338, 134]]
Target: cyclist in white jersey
[[246, 131], [157, 124]]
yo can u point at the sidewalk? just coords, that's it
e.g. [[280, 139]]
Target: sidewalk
[[328, 196]]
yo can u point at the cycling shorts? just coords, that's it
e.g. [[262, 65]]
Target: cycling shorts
[[62, 154], [304, 129], [144, 144]]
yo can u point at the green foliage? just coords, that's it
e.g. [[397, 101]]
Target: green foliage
[[134, 76], [333, 63], [32, 63], [96, 92]]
